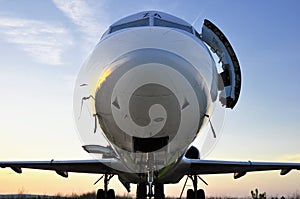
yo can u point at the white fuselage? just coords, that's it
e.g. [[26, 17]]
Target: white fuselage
[[152, 87]]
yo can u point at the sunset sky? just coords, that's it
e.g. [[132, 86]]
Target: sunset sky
[[44, 43]]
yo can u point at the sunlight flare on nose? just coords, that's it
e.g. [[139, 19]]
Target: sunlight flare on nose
[[103, 77]]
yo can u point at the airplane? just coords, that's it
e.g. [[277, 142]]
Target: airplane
[[150, 88]]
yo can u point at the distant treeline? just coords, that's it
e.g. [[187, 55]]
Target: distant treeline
[[92, 195]]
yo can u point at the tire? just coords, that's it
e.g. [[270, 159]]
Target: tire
[[159, 191], [100, 194], [111, 194], [190, 194], [141, 191], [200, 194]]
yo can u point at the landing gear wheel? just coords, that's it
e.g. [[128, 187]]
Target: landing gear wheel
[[190, 194], [141, 191], [100, 194], [200, 194], [159, 191], [111, 194]]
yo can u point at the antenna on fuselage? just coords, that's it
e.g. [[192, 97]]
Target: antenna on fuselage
[[82, 100], [94, 115], [95, 128], [211, 126]]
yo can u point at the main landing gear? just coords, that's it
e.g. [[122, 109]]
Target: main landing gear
[[105, 193], [194, 193], [158, 189]]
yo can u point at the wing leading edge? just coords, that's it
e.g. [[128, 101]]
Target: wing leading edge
[[62, 168], [239, 169]]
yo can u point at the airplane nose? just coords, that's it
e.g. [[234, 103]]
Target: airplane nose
[[149, 100]]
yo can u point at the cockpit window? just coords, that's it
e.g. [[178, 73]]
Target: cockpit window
[[141, 22], [164, 23], [146, 22]]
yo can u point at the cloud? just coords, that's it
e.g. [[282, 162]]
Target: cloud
[[84, 15], [43, 41]]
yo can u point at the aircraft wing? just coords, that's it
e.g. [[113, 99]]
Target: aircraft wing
[[239, 169], [185, 167], [63, 167]]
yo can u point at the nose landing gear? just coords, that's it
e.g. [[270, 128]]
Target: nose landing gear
[[142, 191]]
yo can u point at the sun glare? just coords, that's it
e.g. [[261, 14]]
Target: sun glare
[[103, 77]]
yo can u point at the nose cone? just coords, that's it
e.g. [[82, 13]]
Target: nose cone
[[151, 96]]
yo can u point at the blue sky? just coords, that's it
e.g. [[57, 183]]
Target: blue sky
[[44, 43]]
